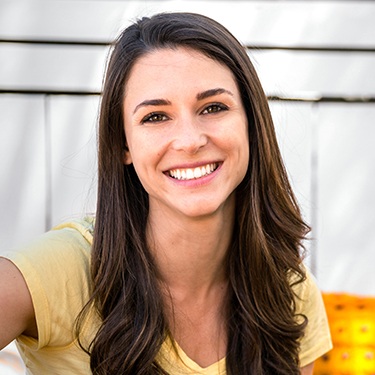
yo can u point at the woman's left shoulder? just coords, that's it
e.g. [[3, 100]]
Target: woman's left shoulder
[[309, 305], [307, 288], [83, 227]]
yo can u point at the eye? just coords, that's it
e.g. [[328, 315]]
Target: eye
[[154, 117], [214, 108]]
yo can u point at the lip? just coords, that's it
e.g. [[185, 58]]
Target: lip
[[193, 165]]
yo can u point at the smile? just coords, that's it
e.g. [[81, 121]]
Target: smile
[[193, 173]]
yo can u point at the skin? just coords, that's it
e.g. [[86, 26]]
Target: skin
[[197, 120], [307, 370], [16, 308], [181, 133]]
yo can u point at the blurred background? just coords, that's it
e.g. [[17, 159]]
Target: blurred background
[[315, 59]]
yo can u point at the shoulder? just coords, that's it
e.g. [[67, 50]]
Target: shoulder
[[309, 304], [56, 269], [308, 298], [305, 289], [77, 229], [65, 244]]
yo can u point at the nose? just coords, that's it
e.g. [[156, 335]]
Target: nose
[[189, 136]]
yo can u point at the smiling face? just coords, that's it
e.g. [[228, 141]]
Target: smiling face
[[186, 131]]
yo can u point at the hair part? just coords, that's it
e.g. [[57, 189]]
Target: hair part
[[263, 332]]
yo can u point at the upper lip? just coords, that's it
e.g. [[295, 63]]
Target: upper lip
[[192, 165]]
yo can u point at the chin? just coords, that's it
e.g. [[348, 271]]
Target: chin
[[204, 210]]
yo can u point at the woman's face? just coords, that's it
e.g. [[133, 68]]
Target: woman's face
[[186, 132]]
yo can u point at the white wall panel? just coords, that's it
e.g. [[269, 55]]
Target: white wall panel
[[254, 22], [341, 209], [260, 22], [22, 169], [294, 129], [73, 156], [293, 123], [346, 170], [286, 73], [314, 74], [51, 67]]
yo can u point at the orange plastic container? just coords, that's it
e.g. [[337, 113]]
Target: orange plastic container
[[352, 325]]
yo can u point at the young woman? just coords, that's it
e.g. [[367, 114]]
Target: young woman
[[192, 264]]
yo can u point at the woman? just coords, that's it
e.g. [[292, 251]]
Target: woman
[[195, 266]]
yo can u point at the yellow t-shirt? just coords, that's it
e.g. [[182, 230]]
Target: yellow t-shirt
[[56, 270]]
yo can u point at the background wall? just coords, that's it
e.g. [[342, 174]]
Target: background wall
[[315, 57]]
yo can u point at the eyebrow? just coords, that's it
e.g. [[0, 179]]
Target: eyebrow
[[200, 96], [149, 102], [212, 92]]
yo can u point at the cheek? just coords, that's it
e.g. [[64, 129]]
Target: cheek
[[145, 150], [241, 144], [236, 138]]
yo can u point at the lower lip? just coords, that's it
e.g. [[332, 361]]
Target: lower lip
[[196, 182]]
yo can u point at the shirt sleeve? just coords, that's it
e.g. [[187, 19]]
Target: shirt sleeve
[[55, 267], [317, 338]]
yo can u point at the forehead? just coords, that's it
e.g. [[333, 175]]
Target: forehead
[[179, 66]]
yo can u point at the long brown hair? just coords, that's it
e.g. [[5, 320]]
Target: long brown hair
[[263, 334]]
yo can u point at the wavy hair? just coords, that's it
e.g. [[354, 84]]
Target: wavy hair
[[263, 333]]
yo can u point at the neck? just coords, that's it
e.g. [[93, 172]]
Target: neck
[[190, 254]]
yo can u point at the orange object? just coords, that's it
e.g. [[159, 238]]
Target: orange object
[[352, 324]]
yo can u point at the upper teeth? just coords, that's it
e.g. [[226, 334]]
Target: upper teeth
[[191, 173]]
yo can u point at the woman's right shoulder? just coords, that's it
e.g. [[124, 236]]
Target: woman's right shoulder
[[56, 271], [62, 246]]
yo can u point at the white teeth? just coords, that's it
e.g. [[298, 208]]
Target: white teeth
[[197, 173], [190, 173]]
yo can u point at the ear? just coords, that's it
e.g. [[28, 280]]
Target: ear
[[127, 159]]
